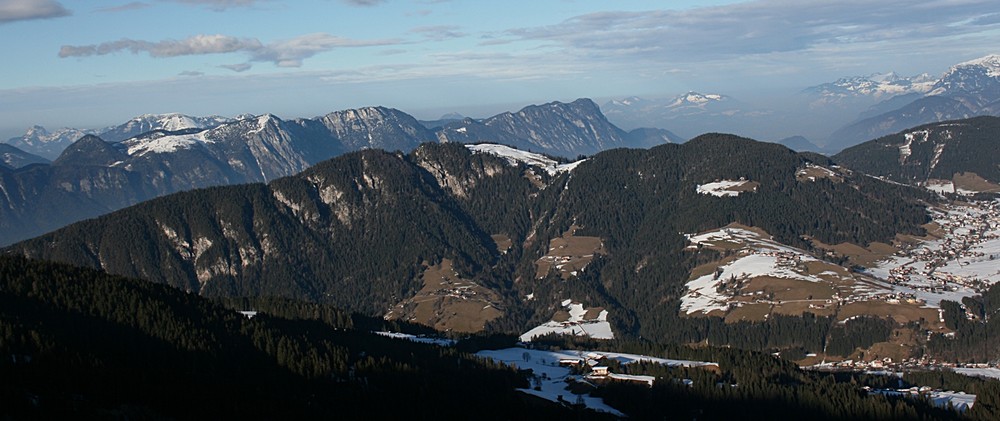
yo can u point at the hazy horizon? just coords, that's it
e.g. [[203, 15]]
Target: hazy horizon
[[89, 64]]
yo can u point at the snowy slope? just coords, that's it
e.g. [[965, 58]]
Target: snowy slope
[[723, 188], [576, 325], [517, 156], [551, 377], [160, 143], [759, 256]]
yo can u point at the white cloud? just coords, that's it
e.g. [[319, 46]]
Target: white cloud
[[218, 5], [238, 67], [198, 44], [135, 5], [761, 27], [439, 32], [287, 53], [290, 53], [16, 10], [363, 2]]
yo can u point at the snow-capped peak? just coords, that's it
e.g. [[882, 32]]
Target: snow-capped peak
[[36, 130], [263, 121], [174, 121], [876, 85], [991, 63], [697, 98], [885, 77]]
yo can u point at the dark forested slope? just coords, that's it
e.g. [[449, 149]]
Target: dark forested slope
[[358, 231], [80, 344]]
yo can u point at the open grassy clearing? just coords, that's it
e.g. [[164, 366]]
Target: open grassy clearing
[[783, 289], [813, 173], [569, 254], [973, 182], [858, 255], [502, 241], [902, 312], [448, 302], [749, 312]]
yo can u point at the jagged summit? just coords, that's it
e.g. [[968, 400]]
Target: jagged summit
[[695, 99], [990, 62]]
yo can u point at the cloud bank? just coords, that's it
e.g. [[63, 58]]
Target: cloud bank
[[218, 5], [763, 27], [286, 53], [18, 10]]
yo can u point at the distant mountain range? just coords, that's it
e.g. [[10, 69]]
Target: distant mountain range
[[39, 141], [967, 89], [799, 144], [11, 157], [494, 217], [878, 86], [568, 130], [688, 115], [834, 115], [172, 153]]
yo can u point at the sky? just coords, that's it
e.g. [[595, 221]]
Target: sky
[[92, 63]]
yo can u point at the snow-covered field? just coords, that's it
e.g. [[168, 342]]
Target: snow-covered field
[[722, 188], [990, 373], [515, 156], [598, 328], [163, 143], [551, 377], [940, 186], [758, 256], [961, 401], [962, 263]]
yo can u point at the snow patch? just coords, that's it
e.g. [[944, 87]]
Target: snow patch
[[723, 188], [159, 143], [598, 328], [905, 149], [419, 339], [517, 156], [758, 256], [550, 377], [940, 186], [987, 372]]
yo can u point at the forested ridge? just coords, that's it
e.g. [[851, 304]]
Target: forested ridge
[[356, 231], [933, 151]]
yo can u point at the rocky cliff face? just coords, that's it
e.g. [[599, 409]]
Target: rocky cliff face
[[555, 128]]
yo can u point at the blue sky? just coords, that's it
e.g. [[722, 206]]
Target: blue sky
[[95, 63]]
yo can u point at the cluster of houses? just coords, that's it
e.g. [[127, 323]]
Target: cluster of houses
[[594, 368], [888, 365], [965, 230], [959, 401]]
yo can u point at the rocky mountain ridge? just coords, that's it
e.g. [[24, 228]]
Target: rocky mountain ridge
[[966, 90], [264, 148]]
